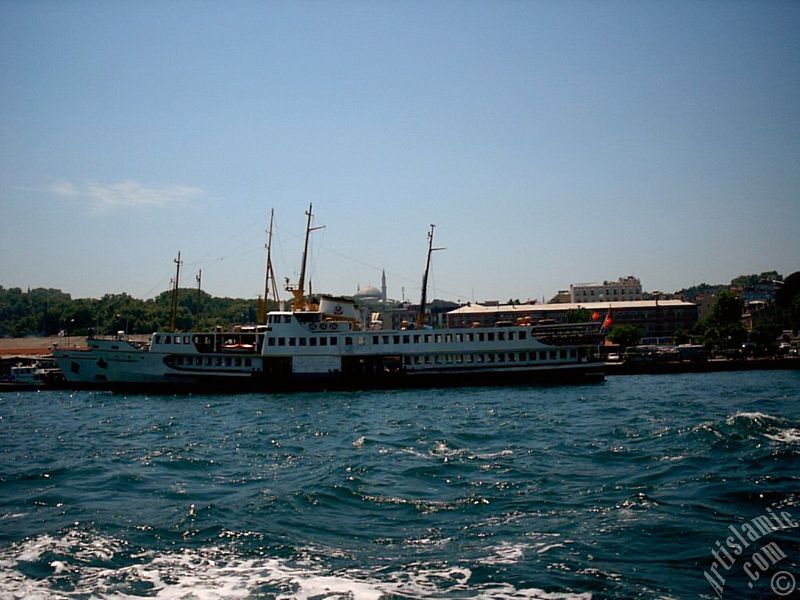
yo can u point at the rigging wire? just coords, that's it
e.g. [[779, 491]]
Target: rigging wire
[[281, 236]]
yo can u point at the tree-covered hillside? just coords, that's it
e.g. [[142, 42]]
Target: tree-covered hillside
[[48, 311]]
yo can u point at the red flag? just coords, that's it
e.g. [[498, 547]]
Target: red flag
[[608, 320], [595, 316]]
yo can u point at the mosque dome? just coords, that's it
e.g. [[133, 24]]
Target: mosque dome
[[368, 293]]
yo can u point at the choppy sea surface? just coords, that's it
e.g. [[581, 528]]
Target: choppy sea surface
[[621, 489]]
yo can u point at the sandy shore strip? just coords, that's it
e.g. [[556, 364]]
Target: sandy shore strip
[[38, 346]]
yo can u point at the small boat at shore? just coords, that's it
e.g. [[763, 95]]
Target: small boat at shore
[[323, 344]]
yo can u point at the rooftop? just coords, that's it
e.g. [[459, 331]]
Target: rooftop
[[540, 308]]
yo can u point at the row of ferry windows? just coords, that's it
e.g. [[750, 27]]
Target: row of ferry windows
[[498, 357], [378, 340], [168, 339], [213, 361], [447, 338]]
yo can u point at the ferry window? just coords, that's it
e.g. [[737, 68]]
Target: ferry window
[[287, 319], [479, 358], [248, 362], [281, 341], [406, 339], [427, 338], [348, 341], [158, 339], [333, 341], [167, 339], [480, 337], [271, 341], [438, 338], [512, 357], [563, 354], [459, 358], [542, 355], [468, 358], [448, 337], [208, 361], [459, 337], [438, 359], [395, 339], [470, 337], [186, 339], [490, 358], [238, 362], [361, 340], [302, 341], [500, 336], [448, 359], [386, 339], [573, 353], [179, 360], [376, 339], [219, 361], [323, 341], [522, 335], [312, 341], [553, 354], [177, 339], [417, 360], [511, 336], [427, 359], [490, 337], [292, 341], [501, 357], [416, 339], [227, 361]]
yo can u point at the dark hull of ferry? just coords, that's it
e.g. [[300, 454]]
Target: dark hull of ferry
[[277, 382], [575, 375]]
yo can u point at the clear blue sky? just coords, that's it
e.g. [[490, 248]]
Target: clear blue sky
[[550, 142]]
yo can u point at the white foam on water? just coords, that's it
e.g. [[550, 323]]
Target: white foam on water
[[786, 436], [505, 553], [751, 416], [216, 573]]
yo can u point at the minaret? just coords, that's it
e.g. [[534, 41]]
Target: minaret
[[383, 288]]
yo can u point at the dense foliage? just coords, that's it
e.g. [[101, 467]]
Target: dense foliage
[[48, 311]]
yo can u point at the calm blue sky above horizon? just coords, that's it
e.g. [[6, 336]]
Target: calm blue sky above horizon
[[550, 142]]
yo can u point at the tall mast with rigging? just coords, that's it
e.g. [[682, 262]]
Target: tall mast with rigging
[[174, 307], [199, 278], [299, 291], [424, 300], [269, 278]]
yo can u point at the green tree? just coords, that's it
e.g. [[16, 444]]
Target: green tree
[[579, 315], [727, 310], [625, 335]]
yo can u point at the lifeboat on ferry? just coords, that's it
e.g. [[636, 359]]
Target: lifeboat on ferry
[[238, 347]]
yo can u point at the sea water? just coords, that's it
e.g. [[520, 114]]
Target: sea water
[[621, 489]]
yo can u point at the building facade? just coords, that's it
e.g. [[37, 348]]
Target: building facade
[[625, 289], [657, 318]]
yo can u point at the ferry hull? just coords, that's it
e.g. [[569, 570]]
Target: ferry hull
[[573, 374]]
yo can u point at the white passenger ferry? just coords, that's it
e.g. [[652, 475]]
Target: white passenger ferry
[[316, 349], [327, 345], [168, 359]]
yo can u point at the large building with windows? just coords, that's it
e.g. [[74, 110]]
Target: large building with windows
[[657, 318], [625, 289]]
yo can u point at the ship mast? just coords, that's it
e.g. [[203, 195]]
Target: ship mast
[[299, 291], [269, 278], [423, 301], [174, 307], [199, 278]]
